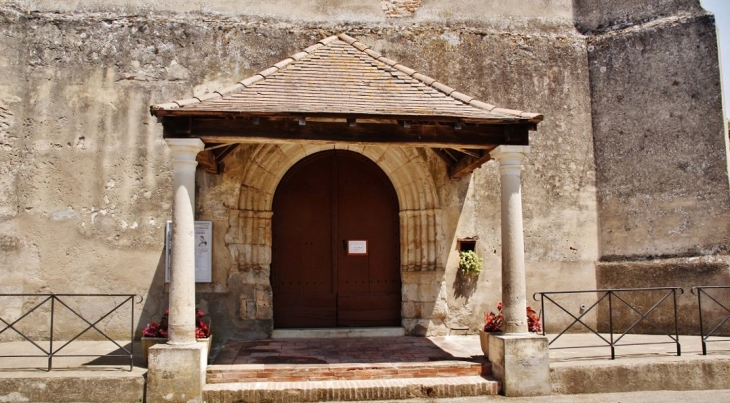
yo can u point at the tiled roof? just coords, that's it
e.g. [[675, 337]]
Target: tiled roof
[[340, 76]]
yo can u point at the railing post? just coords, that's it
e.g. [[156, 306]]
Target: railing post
[[610, 323], [50, 341], [702, 327], [542, 312], [131, 335], [676, 324]]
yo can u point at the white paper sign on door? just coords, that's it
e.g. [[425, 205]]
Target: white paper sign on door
[[357, 247]]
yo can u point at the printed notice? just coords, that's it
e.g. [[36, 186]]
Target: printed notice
[[203, 251], [357, 247]]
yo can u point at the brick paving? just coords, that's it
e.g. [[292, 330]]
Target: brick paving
[[354, 350]]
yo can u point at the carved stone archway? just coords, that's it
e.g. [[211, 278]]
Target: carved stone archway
[[249, 234]]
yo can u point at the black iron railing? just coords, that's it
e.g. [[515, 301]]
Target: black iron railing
[[49, 305], [614, 296], [699, 291]]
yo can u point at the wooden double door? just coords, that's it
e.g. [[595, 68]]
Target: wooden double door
[[336, 245]]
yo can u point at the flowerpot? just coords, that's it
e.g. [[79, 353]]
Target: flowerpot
[[148, 342]]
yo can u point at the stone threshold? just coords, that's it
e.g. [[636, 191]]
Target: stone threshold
[[338, 332], [380, 389]]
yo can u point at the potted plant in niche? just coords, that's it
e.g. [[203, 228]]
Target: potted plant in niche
[[155, 333], [469, 263], [493, 324]]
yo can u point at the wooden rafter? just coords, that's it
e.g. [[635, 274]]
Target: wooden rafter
[[468, 164]]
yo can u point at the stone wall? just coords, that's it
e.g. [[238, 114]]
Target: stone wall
[[661, 168], [87, 190]]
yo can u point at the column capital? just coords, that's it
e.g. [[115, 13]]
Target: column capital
[[185, 149], [505, 152], [509, 158]]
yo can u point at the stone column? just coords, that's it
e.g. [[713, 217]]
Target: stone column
[[514, 289], [519, 359], [182, 268], [176, 370]]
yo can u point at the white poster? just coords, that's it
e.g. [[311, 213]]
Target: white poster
[[203, 251]]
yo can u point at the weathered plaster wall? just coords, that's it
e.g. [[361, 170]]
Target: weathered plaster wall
[[324, 10], [86, 194], [602, 15], [662, 167]]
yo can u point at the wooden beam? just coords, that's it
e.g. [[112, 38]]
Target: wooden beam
[[289, 131], [468, 164], [206, 160], [224, 153], [342, 117], [468, 152], [440, 152]]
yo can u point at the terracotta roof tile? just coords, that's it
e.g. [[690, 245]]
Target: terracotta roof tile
[[167, 106], [268, 72], [313, 48], [283, 63], [461, 97], [189, 101], [229, 90], [425, 79], [251, 80], [347, 38], [405, 69], [341, 76], [387, 61]]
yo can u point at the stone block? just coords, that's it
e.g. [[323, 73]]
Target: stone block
[[243, 308], [521, 363], [176, 373], [264, 298], [409, 310]]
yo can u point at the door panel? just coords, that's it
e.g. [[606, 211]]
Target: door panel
[[369, 309], [322, 202], [301, 265]]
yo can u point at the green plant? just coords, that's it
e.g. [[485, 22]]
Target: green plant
[[469, 263]]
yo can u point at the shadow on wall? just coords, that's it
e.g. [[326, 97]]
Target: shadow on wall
[[156, 300], [465, 285]]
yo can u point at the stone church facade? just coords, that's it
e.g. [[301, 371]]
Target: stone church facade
[[625, 183]]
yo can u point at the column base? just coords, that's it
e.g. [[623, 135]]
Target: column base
[[521, 363], [176, 373]]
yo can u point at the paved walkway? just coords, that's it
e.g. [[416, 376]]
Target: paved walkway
[[365, 350], [584, 347], [657, 396], [353, 350]]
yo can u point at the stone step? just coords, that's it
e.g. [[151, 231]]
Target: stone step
[[345, 372], [341, 390]]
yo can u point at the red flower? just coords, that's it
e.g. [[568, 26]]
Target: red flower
[[202, 330], [493, 322]]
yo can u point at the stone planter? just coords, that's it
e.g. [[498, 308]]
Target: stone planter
[[484, 341], [148, 342]]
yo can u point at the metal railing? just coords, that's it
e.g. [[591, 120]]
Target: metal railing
[[612, 296], [54, 302], [701, 290]]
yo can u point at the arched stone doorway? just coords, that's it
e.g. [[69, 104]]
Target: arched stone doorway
[[336, 246], [249, 235]]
